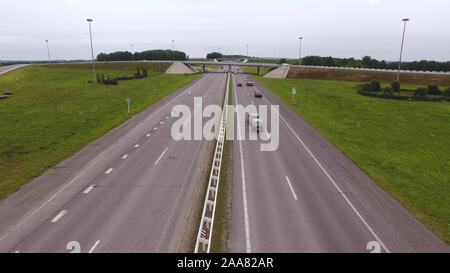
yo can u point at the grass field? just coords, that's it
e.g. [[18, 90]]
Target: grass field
[[53, 114], [254, 69], [365, 76], [402, 145]]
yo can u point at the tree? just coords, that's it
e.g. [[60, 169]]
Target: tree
[[214, 55], [283, 61], [446, 92]]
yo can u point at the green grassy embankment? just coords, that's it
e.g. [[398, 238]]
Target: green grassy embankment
[[402, 145], [366, 76], [53, 114]]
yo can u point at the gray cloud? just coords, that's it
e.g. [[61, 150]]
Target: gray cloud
[[350, 28]]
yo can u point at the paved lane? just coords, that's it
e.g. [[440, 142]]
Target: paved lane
[[137, 197], [308, 197]]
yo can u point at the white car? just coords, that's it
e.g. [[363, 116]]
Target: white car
[[257, 125], [252, 116]]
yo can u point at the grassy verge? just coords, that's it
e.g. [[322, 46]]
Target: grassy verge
[[365, 76], [53, 114], [402, 145], [254, 69]]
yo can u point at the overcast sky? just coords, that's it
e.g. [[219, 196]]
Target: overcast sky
[[339, 28]]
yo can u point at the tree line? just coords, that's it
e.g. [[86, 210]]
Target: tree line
[[368, 62], [147, 55]]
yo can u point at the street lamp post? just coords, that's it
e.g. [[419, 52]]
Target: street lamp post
[[300, 52], [92, 49], [247, 52], [401, 47], [173, 50], [132, 52], [48, 53]]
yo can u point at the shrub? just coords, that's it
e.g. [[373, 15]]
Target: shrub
[[434, 90], [367, 87], [446, 92], [376, 85], [144, 72], [387, 91], [395, 86], [283, 60], [420, 93]]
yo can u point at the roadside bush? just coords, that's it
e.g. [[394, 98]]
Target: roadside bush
[[144, 72], [446, 92], [420, 93], [367, 87], [434, 90], [387, 91], [376, 85], [395, 86]]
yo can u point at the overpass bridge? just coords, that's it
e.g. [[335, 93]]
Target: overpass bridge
[[230, 64]]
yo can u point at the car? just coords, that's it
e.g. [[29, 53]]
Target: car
[[249, 83], [239, 84], [258, 94], [257, 125], [252, 116]]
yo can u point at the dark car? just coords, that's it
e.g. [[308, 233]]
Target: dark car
[[258, 94], [239, 84]]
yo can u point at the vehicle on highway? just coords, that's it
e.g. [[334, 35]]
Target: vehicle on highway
[[257, 125], [258, 94], [249, 83], [239, 84], [252, 116]]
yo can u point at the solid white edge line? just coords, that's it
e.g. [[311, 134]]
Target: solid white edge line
[[94, 246], [109, 171], [88, 189], [59, 216], [244, 189], [335, 185], [159, 158], [292, 189]]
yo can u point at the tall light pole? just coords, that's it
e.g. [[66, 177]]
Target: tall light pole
[[247, 52], [132, 54], [48, 53], [173, 50], [401, 47], [300, 52], [92, 49]]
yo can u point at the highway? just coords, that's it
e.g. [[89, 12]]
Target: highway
[[307, 196], [133, 190], [5, 69]]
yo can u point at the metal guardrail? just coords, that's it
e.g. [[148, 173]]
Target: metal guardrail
[[205, 229]]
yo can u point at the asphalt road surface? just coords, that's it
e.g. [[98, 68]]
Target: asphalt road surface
[[139, 193], [4, 69], [307, 196]]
